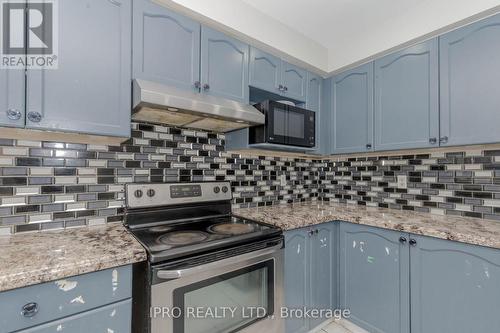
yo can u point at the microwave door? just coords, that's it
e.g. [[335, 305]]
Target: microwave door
[[277, 124]]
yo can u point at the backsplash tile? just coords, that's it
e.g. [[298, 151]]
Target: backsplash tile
[[51, 185], [460, 183]]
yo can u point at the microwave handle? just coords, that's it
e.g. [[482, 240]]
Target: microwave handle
[[238, 260]]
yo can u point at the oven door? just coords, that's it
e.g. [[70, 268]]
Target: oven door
[[237, 294]]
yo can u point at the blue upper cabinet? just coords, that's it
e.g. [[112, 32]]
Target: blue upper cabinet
[[90, 91], [470, 91], [314, 86], [353, 110], [12, 89], [265, 71], [454, 287], [294, 81], [374, 278], [407, 98], [166, 46], [224, 65]]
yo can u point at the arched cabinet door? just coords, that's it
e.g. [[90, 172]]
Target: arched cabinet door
[[469, 80], [90, 91], [166, 46], [265, 71], [407, 98], [352, 120], [294, 81], [224, 66], [297, 265], [374, 278], [455, 288]]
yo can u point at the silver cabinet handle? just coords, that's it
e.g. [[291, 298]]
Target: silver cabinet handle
[[197, 84], [368, 146], [285, 88], [14, 114], [443, 139], [280, 87], [206, 87], [432, 141], [34, 116], [29, 310]]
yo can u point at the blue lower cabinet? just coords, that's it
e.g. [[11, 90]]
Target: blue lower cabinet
[[49, 302], [455, 288], [309, 273], [114, 318], [374, 278]]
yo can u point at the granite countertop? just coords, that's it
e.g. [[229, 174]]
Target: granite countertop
[[33, 258], [462, 229]]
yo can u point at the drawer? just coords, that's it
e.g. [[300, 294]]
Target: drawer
[[116, 318], [63, 298]]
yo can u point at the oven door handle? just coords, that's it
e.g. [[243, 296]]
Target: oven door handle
[[181, 273]]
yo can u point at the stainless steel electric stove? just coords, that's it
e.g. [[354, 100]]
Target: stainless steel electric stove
[[202, 258]]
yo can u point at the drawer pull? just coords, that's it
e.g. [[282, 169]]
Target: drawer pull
[[30, 309]]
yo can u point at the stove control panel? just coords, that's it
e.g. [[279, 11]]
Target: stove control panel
[[152, 195]]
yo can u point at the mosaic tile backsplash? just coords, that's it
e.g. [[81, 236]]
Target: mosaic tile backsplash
[[50, 185], [463, 183]]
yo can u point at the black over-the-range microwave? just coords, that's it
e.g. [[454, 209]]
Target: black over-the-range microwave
[[285, 125]]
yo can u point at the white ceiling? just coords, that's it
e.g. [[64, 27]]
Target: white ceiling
[[331, 35]]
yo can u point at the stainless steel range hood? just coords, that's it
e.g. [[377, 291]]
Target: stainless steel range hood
[[158, 103]]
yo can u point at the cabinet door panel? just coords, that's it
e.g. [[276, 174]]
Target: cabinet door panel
[[314, 84], [224, 65], [166, 46], [455, 288], [265, 71], [406, 98], [90, 92], [470, 91], [323, 287], [114, 318], [12, 109], [353, 110], [295, 81], [296, 277], [374, 278]]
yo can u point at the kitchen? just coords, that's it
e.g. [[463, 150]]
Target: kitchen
[[233, 166]]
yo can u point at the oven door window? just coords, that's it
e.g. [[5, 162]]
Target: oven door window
[[226, 303]]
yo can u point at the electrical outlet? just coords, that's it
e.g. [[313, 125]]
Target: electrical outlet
[[402, 181], [283, 180]]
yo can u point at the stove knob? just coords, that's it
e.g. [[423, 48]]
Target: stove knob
[[138, 194], [216, 189], [225, 189], [151, 193]]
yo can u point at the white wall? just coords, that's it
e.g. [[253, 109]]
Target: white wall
[[429, 17], [254, 26]]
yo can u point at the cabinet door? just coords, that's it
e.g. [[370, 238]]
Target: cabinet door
[[322, 283], [90, 92], [470, 92], [407, 98], [166, 46], [265, 71], [313, 100], [296, 277], [294, 80], [455, 287], [224, 66], [374, 278], [116, 318], [353, 110], [12, 110]]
